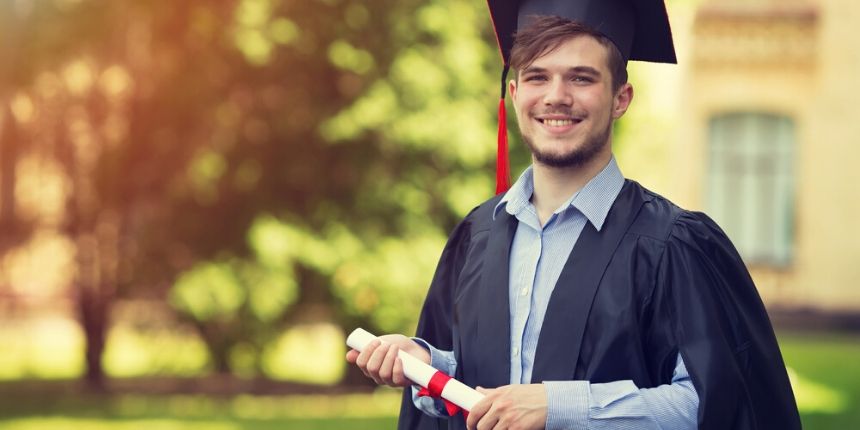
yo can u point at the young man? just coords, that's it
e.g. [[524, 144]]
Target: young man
[[578, 298]]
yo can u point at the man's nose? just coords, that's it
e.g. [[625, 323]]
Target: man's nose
[[558, 93]]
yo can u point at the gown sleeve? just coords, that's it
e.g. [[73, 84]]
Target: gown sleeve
[[722, 330]]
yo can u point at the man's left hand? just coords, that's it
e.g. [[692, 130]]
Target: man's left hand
[[509, 407]]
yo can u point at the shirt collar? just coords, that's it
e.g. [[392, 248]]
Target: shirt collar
[[594, 199]]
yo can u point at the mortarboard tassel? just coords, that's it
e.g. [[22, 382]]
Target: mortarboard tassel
[[503, 169], [503, 174]]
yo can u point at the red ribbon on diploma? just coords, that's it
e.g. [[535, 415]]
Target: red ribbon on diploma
[[434, 390]]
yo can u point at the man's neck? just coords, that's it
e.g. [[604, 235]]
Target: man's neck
[[553, 186]]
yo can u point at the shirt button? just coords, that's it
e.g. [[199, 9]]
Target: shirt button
[[516, 351], [524, 291]]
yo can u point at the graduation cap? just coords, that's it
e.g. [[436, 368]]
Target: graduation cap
[[639, 28]]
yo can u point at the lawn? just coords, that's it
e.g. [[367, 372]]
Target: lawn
[[825, 373], [826, 379], [37, 410]]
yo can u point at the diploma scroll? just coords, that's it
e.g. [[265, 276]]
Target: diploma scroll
[[420, 373]]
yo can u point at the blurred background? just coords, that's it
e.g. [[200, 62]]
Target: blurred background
[[200, 198]]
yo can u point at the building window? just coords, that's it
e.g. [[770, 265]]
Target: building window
[[751, 184]]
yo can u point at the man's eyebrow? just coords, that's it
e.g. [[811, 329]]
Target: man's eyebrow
[[533, 69], [587, 70]]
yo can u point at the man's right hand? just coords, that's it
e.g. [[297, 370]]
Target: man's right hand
[[379, 359]]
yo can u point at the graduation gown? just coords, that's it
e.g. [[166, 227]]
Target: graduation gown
[[656, 280]]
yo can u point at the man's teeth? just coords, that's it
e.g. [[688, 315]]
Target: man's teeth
[[558, 122]]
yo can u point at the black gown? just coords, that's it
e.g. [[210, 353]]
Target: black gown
[[655, 281]]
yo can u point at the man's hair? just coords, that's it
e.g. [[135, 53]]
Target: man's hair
[[545, 33]]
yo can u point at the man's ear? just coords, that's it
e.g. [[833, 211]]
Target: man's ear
[[512, 89], [622, 100]]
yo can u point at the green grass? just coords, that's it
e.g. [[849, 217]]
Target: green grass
[[38, 410], [825, 367], [169, 423], [828, 367]]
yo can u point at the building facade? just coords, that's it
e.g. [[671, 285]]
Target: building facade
[[770, 141]]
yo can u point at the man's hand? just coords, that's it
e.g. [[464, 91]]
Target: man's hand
[[379, 360], [510, 407]]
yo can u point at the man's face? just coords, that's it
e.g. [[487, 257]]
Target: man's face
[[565, 104]]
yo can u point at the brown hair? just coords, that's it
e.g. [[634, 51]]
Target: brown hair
[[545, 33]]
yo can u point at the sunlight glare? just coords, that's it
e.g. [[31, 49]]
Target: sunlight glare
[[816, 397], [23, 108], [79, 77], [115, 81]]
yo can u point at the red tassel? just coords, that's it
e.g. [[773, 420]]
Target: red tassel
[[503, 169]]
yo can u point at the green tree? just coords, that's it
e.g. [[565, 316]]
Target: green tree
[[380, 136], [260, 162]]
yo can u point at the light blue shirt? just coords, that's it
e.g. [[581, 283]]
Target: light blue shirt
[[538, 254]]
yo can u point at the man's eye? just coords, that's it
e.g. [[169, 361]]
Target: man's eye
[[582, 79], [534, 78]]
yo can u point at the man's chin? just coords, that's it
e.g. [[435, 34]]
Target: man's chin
[[566, 159], [556, 151], [567, 154]]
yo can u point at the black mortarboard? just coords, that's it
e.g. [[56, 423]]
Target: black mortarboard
[[639, 28]]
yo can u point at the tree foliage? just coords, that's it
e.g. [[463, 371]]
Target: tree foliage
[[258, 163]]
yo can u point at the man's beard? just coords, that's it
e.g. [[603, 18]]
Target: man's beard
[[577, 157]]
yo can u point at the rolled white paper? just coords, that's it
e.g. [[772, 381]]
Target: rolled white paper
[[420, 372]]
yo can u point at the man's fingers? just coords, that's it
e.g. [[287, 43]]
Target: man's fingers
[[489, 420], [374, 363], [364, 356], [378, 360], [398, 377], [386, 370], [478, 412]]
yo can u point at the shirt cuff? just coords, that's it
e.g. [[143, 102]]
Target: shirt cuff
[[430, 406], [567, 404], [439, 359]]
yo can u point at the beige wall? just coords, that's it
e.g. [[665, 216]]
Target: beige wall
[[801, 60]]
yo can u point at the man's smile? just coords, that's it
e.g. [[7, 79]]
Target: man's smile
[[558, 123]]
